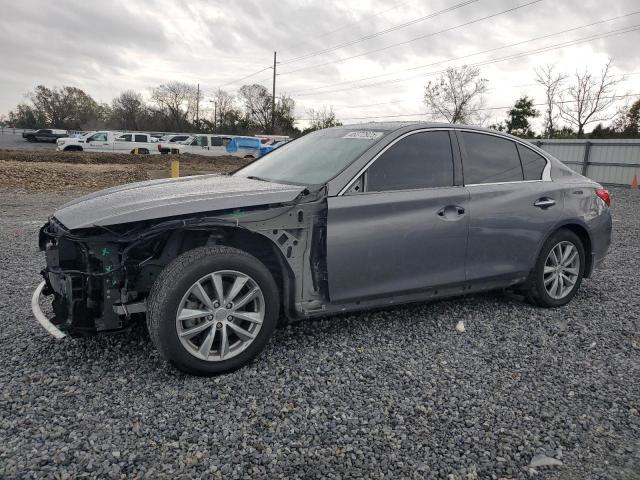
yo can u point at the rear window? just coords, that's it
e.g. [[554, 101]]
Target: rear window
[[490, 159], [532, 163], [140, 138]]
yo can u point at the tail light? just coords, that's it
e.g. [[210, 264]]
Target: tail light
[[160, 148], [603, 193]]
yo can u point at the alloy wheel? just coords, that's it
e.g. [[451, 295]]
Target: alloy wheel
[[220, 315], [561, 270]]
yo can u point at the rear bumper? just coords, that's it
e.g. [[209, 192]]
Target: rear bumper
[[41, 317]]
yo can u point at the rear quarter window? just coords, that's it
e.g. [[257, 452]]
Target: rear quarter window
[[532, 163]]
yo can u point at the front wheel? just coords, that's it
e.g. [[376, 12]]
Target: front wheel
[[212, 310], [559, 270]]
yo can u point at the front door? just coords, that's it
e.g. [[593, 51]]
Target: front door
[[403, 227]]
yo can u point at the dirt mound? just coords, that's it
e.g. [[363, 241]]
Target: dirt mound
[[88, 171]]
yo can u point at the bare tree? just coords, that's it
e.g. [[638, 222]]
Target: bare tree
[[457, 94], [223, 105], [177, 101], [552, 83], [321, 118], [256, 100], [588, 99]]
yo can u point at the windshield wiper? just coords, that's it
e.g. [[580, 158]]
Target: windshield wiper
[[252, 177]]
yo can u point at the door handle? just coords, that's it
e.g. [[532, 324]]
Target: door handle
[[544, 202], [451, 212]]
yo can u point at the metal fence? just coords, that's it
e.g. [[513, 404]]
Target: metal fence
[[611, 162]]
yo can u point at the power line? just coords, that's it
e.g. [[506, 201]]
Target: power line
[[621, 31], [330, 32], [381, 32], [245, 77], [483, 109], [406, 42], [542, 37]]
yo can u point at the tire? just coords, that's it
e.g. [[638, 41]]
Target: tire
[[73, 149], [173, 294], [540, 290], [31, 139]]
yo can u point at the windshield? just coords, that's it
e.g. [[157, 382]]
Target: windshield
[[314, 158]]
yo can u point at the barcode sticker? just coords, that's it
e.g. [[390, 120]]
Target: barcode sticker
[[364, 135]]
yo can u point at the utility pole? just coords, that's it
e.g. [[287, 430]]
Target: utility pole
[[198, 106], [273, 97]]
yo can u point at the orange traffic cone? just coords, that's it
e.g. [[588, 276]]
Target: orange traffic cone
[[634, 183]]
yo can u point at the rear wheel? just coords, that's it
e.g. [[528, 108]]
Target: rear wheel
[[559, 270], [212, 310]]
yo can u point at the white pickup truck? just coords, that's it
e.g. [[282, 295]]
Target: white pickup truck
[[116, 142], [213, 145]]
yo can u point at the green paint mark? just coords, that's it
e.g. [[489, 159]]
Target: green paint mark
[[105, 251], [108, 268]]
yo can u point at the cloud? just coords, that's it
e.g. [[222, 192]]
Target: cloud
[[109, 46]]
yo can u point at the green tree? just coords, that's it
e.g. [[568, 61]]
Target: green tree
[[128, 111], [66, 107], [517, 122], [321, 118]]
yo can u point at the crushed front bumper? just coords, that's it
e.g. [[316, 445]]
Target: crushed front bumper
[[41, 317]]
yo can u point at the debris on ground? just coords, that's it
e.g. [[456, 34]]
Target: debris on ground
[[544, 461], [460, 327]]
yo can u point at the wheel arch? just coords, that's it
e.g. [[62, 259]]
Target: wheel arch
[[255, 244], [580, 229]]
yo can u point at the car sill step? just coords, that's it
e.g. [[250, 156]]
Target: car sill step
[[41, 317]]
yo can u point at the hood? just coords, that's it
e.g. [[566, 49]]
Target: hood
[[170, 197]]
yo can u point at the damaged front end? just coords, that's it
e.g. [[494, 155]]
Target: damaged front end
[[100, 277]]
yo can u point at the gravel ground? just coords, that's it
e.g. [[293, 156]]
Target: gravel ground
[[396, 393]]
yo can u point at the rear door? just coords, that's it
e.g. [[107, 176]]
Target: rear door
[[402, 225], [512, 204]]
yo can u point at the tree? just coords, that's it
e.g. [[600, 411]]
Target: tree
[[457, 94], [256, 101], [176, 102], [66, 107], [628, 121], [285, 116], [552, 83], [321, 118], [518, 121], [589, 98], [225, 113], [128, 111], [25, 116]]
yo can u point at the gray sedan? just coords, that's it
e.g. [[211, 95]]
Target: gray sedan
[[342, 219]]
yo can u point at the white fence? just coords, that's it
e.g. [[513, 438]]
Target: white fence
[[612, 162]]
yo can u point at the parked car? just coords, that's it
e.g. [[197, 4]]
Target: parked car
[[173, 138], [216, 145], [341, 219], [106, 141], [44, 135]]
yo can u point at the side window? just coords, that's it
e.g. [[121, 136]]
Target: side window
[[216, 141], [225, 141], [140, 138], [200, 141], [490, 159], [421, 160], [98, 137], [532, 163], [124, 138]]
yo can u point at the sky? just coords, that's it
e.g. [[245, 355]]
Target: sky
[[367, 59]]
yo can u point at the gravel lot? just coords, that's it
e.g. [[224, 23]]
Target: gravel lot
[[394, 394]]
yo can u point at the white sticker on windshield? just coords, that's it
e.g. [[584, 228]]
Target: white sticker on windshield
[[364, 135]]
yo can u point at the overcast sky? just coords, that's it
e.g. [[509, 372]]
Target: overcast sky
[[108, 46]]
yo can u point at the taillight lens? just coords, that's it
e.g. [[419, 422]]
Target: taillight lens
[[603, 193], [160, 148]]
